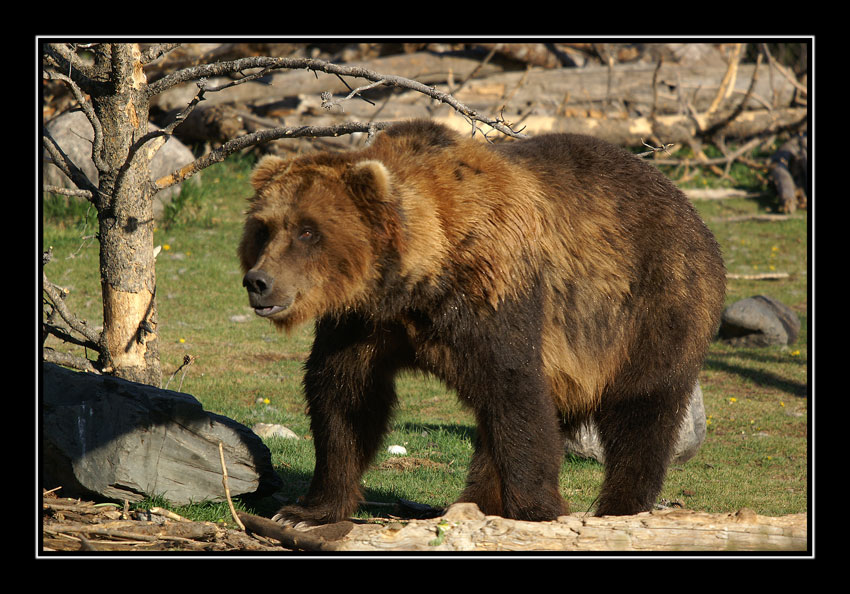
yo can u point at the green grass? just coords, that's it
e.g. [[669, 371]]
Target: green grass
[[755, 454]]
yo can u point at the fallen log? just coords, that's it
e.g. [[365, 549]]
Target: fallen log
[[465, 528], [636, 87], [72, 525]]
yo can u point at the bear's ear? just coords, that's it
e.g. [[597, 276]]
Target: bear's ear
[[265, 170], [369, 180]]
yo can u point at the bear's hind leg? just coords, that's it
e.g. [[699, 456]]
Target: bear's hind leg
[[514, 470], [638, 434]]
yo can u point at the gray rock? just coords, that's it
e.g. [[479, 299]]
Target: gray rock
[[586, 443], [759, 321], [73, 132], [105, 437]]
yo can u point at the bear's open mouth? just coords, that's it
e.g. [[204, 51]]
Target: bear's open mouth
[[268, 311]]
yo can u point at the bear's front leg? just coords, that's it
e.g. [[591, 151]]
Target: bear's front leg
[[349, 385]]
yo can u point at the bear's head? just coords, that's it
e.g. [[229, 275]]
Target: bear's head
[[315, 234]]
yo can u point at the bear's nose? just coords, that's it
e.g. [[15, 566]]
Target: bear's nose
[[258, 282]]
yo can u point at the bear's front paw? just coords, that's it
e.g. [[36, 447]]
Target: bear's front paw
[[298, 516]]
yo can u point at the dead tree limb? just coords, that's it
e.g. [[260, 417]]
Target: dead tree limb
[[62, 323]]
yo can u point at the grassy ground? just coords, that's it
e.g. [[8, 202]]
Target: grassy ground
[[755, 453]]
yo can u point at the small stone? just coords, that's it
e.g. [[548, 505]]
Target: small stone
[[273, 430], [397, 450]]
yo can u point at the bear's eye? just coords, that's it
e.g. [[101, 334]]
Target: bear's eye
[[308, 235]]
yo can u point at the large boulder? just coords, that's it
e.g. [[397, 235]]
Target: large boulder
[[586, 443], [759, 321], [104, 437]]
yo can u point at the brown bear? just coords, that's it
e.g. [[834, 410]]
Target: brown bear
[[549, 281]]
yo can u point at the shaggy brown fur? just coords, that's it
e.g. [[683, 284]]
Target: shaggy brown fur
[[549, 281]]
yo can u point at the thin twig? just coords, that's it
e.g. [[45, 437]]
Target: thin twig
[[66, 165], [57, 298], [762, 276], [329, 103], [654, 149], [227, 488], [764, 218], [167, 513], [187, 360]]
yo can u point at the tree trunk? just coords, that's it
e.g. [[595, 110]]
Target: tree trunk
[[126, 220]]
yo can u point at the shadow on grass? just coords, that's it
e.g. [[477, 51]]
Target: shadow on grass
[[384, 502], [761, 376]]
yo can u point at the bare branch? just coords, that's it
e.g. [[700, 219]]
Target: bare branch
[[329, 103], [221, 68], [63, 57], [728, 82], [57, 298], [68, 167], [63, 335], [247, 78], [69, 360], [68, 191], [88, 110], [268, 63], [258, 137], [784, 72], [164, 132], [155, 51]]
